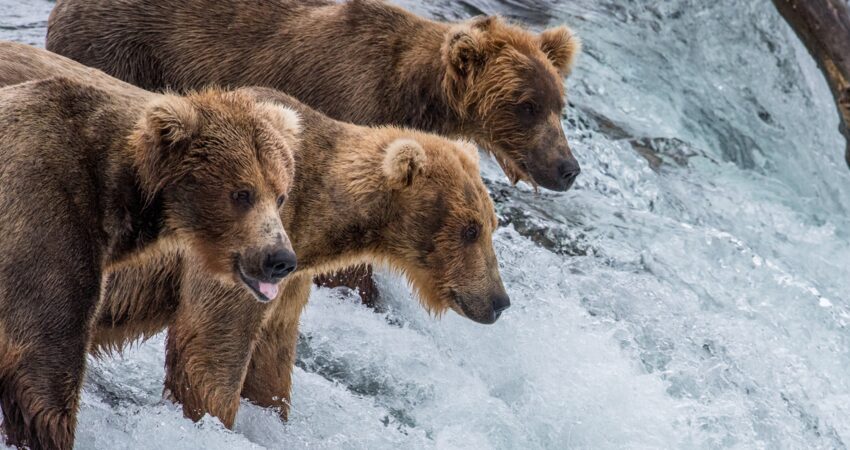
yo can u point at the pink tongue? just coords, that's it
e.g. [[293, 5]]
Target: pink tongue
[[269, 290]]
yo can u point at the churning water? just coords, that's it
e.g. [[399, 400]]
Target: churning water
[[692, 291]]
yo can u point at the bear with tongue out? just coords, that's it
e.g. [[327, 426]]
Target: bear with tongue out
[[95, 179]]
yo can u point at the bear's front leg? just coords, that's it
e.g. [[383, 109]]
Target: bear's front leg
[[40, 397], [46, 317], [268, 382], [139, 299], [209, 345]]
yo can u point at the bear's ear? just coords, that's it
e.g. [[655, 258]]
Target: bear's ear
[[470, 150], [463, 51], [484, 23], [284, 119], [404, 160], [162, 139], [562, 47]]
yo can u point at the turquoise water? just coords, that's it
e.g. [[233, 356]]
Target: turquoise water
[[701, 301]]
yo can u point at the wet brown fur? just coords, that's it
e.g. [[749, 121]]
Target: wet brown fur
[[362, 61], [11, 352], [350, 203], [93, 181]]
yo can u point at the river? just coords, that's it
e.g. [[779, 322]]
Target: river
[[692, 290]]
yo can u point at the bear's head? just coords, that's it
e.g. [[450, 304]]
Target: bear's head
[[440, 225], [506, 84], [222, 165]]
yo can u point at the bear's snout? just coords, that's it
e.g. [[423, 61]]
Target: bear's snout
[[568, 171], [262, 270], [279, 263], [484, 310], [549, 160], [501, 302], [557, 174]]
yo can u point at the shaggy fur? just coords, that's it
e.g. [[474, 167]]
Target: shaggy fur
[[92, 181], [362, 61], [405, 199]]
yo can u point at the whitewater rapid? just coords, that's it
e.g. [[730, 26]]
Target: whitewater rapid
[[692, 290]]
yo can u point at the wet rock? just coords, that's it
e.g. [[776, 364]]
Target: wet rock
[[587, 118], [660, 151], [559, 235]]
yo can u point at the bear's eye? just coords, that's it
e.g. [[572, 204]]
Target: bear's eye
[[280, 200], [471, 232], [528, 109], [243, 197]]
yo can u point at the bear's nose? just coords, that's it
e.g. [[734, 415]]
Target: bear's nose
[[501, 302], [279, 264], [568, 171]]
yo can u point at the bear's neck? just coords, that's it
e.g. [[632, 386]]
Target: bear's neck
[[132, 221], [403, 60], [338, 209], [423, 100]]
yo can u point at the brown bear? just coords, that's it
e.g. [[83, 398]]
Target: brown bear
[[92, 181], [361, 61], [406, 199]]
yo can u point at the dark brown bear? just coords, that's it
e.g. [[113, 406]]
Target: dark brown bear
[[386, 195], [90, 182], [362, 61]]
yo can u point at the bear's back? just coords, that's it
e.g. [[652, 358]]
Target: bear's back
[[56, 111], [56, 132], [23, 63]]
